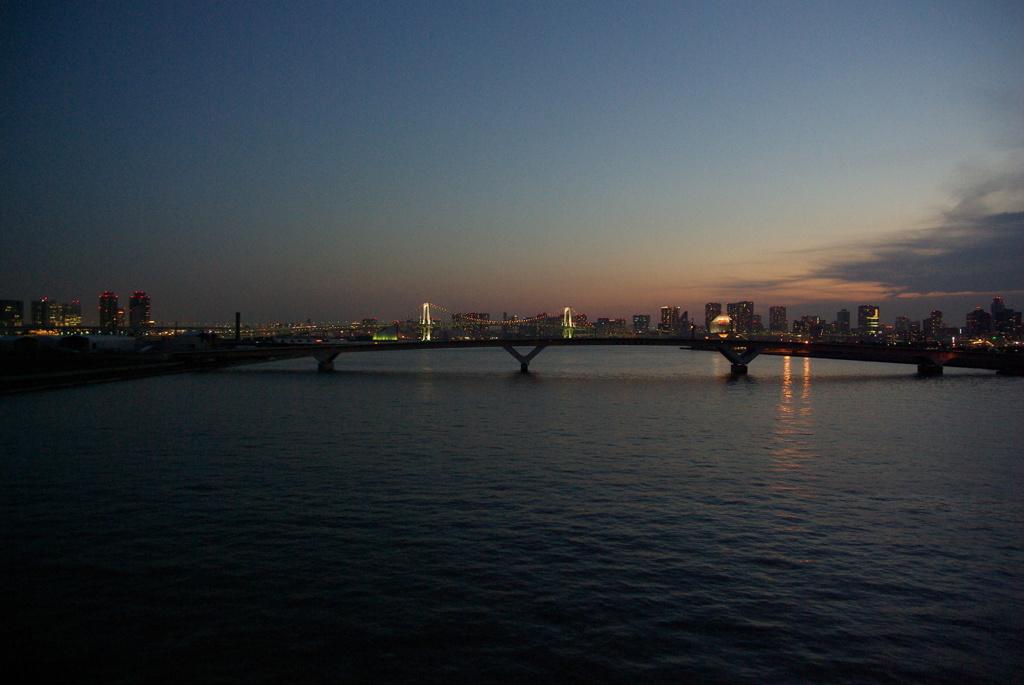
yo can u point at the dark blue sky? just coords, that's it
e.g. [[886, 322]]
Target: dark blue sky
[[340, 160]]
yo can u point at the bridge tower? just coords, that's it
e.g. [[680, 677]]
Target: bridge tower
[[567, 322], [425, 321]]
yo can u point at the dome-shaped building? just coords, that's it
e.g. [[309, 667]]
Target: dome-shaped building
[[721, 325]]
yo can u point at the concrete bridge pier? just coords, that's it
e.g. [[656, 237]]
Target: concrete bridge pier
[[739, 357], [325, 361], [524, 360], [931, 364]]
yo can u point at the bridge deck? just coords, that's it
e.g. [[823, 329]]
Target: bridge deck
[[996, 361]]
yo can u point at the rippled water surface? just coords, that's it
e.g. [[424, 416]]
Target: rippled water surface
[[619, 515]]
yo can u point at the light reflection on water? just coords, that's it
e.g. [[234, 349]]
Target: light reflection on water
[[794, 420]]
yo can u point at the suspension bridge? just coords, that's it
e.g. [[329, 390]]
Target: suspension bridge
[[568, 321]]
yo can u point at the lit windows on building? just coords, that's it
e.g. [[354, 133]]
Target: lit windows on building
[[742, 315], [1006, 322], [12, 314], [808, 326], [41, 313], [73, 313], [108, 311], [138, 311], [669, 319], [777, 320], [979, 322], [711, 311], [867, 319], [47, 313], [933, 325]]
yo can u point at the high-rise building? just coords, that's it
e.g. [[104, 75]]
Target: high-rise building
[[842, 323], [47, 313], [607, 327], [867, 319], [108, 311], [808, 326], [711, 311], [641, 322], [42, 313], [742, 315], [669, 319], [777, 320], [933, 325], [138, 311], [1007, 323], [906, 330], [73, 315], [12, 314], [979, 322]]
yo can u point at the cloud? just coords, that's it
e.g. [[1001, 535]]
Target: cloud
[[980, 253], [977, 246]]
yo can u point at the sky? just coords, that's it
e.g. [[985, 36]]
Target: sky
[[340, 160]]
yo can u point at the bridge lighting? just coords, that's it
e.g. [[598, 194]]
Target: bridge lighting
[[425, 321]]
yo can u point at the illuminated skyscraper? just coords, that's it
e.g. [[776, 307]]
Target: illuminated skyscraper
[[138, 311], [742, 315], [711, 311], [867, 319], [777, 320], [933, 325], [73, 313], [42, 313], [47, 313], [12, 314], [1005, 322], [641, 322], [808, 325], [669, 319], [108, 311], [979, 322], [903, 328], [66, 314]]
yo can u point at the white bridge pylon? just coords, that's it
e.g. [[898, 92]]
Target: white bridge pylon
[[425, 320]]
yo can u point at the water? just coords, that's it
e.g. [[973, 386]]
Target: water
[[619, 515]]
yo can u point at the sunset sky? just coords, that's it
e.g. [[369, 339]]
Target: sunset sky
[[331, 161]]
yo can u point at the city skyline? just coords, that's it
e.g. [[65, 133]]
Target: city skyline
[[744, 316], [334, 161]]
